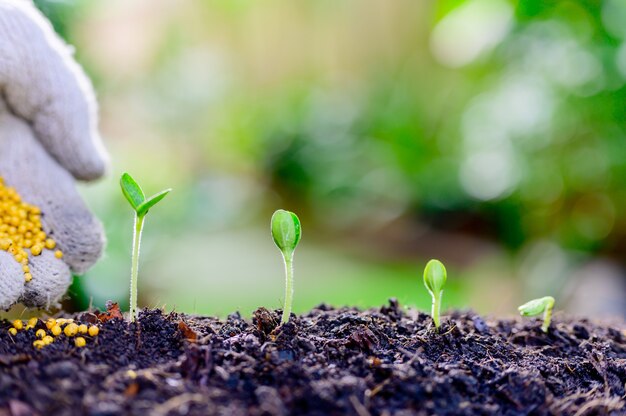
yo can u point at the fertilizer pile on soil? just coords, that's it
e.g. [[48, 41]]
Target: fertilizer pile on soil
[[386, 361]]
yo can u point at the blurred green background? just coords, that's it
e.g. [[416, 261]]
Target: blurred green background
[[488, 133]]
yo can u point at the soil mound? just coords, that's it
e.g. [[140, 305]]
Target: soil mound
[[386, 361]]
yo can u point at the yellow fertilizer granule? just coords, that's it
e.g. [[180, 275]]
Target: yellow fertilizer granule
[[21, 233]]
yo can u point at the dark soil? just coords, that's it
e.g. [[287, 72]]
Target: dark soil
[[386, 361]]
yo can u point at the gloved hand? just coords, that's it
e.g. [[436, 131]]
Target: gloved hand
[[48, 138]]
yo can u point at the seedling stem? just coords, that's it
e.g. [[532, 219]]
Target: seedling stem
[[288, 286], [134, 272], [436, 308], [547, 316]]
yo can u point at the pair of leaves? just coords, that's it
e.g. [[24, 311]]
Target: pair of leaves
[[286, 230], [435, 276], [135, 196]]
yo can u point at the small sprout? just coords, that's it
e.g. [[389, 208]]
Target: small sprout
[[137, 200], [536, 307], [39, 344], [435, 279], [70, 330], [47, 340], [80, 342], [13, 331], [51, 323], [82, 328], [93, 331], [17, 324], [32, 322], [56, 330], [40, 333], [286, 232]]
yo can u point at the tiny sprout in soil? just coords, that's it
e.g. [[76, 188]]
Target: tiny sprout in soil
[[537, 306], [435, 279], [137, 199], [286, 232]]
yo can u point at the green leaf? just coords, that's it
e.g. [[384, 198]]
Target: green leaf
[[286, 230], [435, 276], [536, 306], [142, 209], [132, 191]]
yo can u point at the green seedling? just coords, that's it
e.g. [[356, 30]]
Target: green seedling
[[435, 279], [536, 307], [137, 199], [286, 232]]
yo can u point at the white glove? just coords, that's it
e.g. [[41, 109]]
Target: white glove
[[48, 137]]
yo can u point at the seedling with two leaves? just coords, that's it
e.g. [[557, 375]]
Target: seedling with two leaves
[[141, 205]]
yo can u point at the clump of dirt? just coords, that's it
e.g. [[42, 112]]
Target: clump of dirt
[[327, 362]]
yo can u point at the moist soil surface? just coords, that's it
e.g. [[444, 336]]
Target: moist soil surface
[[384, 361]]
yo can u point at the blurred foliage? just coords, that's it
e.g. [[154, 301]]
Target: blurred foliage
[[528, 138], [494, 118]]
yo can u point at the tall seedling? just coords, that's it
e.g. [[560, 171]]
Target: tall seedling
[[137, 200]]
